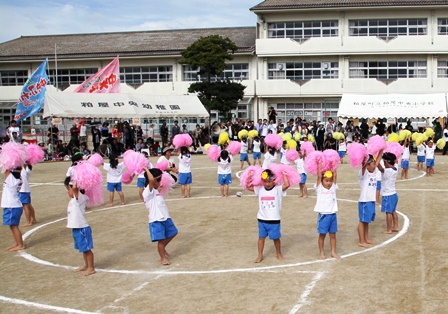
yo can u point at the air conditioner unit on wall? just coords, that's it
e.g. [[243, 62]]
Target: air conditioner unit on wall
[[281, 66], [326, 65]]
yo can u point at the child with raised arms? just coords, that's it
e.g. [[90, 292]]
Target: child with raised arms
[[12, 207], [389, 195], [185, 178], [161, 227], [270, 204], [257, 150], [225, 172], [405, 156], [25, 195], [141, 178], [81, 231], [300, 164], [244, 157], [326, 207], [114, 176], [430, 149], [342, 150], [421, 153], [269, 157]]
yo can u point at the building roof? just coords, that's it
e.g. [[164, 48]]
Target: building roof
[[142, 43], [313, 4]]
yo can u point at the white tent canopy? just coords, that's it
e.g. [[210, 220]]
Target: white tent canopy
[[127, 106], [393, 106]]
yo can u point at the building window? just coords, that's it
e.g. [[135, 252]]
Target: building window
[[140, 75], [303, 70], [298, 30], [68, 77], [306, 111], [13, 78], [233, 72], [388, 28], [387, 69], [442, 26], [442, 69]]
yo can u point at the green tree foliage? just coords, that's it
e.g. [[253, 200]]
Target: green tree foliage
[[222, 95]]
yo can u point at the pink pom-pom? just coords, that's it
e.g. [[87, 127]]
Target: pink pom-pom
[[129, 151], [162, 165], [255, 180], [312, 162], [292, 155], [291, 173], [182, 140], [127, 177], [96, 160], [135, 162], [35, 154], [274, 140], [13, 155], [96, 196], [375, 144], [307, 148], [332, 160], [86, 175], [396, 149], [357, 153], [234, 147], [214, 152], [166, 184]]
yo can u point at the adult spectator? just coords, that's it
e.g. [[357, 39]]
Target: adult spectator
[[104, 131], [83, 132], [115, 132], [53, 133], [164, 132], [175, 129], [330, 142], [380, 127], [150, 134], [364, 129], [272, 115], [330, 127], [129, 135], [13, 128], [74, 135], [409, 126], [96, 138], [197, 135]]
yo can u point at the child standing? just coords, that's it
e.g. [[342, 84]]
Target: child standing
[[257, 150], [81, 231], [161, 226], [300, 163], [225, 172], [283, 151], [269, 157], [378, 184], [185, 177], [141, 178], [421, 153], [405, 156], [389, 198], [114, 175], [243, 152], [12, 207], [25, 195], [342, 149], [430, 149], [326, 207], [270, 204]]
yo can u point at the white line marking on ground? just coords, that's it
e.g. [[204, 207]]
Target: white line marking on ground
[[304, 296], [43, 306]]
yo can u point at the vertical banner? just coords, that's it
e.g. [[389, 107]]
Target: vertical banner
[[33, 94], [107, 80]]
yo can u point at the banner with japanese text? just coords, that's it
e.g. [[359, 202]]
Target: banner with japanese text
[[33, 92], [107, 80]]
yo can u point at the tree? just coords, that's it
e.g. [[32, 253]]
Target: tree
[[209, 54]]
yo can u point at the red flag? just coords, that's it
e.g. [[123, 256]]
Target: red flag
[[107, 80]]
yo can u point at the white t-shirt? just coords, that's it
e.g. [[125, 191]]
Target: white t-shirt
[[389, 177], [406, 153], [367, 183], [430, 152], [169, 161], [83, 130], [342, 147], [273, 128], [256, 147], [184, 163], [300, 163], [268, 159], [10, 194], [373, 132], [114, 174], [75, 212], [25, 176], [264, 130], [244, 147], [224, 166], [379, 173], [155, 203], [421, 150], [283, 160], [270, 202], [326, 199]]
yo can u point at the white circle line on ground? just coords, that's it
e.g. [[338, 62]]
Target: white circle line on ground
[[32, 258]]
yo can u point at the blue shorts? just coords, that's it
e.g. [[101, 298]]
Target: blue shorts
[[341, 154], [25, 197], [11, 216], [366, 211], [225, 179], [83, 239], [244, 157], [265, 229], [114, 186], [185, 178], [405, 164], [302, 178], [257, 155], [420, 158], [161, 230], [378, 185], [327, 223], [389, 203], [141, 183], [429, 162]]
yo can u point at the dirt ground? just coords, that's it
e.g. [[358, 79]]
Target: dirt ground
[[212, 268]]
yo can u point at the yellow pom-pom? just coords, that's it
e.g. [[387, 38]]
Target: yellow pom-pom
[[291, 144], [441, 143], [206, 146], [393, 137], [253, 133], [288, 135], [338, 135], [429, 132], [285, 138], [223, 138], [243, 133], [414, 136], [281, 134], [297, 137], [408, 133], [402, 136], [311, 138], [419, 139]]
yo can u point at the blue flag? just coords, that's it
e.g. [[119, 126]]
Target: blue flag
[[33, 94]]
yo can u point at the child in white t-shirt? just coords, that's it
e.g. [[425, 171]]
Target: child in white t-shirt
[[244, 157], [421, 153], [12, 207], [25, 196], [300, 164], [389, 198], [257, 150], [283, 151], [342, 150], [430, 149], [270, 204], [326, 207], [269, 157], [405, 156], [185, 177], [225, 172], [114, 175]]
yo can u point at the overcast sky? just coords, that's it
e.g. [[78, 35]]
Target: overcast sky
[[45, 17]]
